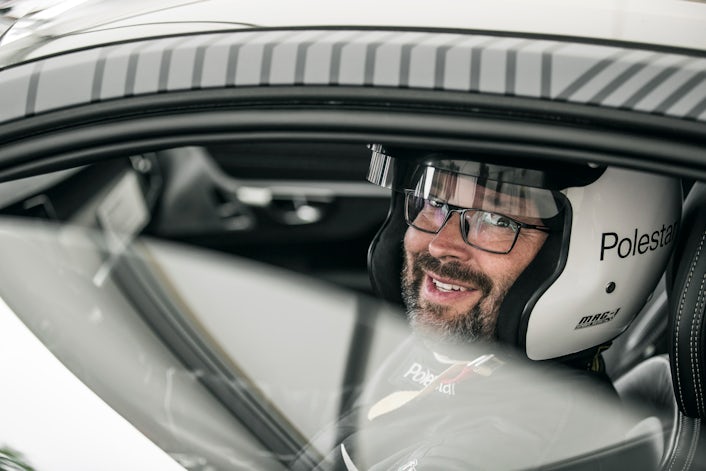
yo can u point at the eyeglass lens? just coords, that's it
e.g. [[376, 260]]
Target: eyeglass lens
[[483, 229]]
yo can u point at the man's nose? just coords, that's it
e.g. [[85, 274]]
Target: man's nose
[[448, 242]]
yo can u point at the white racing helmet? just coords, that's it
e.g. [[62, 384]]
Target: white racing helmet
[[611, 233]]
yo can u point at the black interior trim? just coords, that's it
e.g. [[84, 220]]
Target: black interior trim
[[524, 128], [514, 108]]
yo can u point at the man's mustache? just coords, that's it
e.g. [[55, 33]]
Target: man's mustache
[[423, 261]]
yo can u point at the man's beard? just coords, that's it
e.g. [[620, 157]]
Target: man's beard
[[476, 324]]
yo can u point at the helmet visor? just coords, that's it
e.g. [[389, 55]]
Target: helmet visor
[[467, 184], [465, 191]]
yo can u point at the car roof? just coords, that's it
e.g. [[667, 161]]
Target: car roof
[[50, 28]]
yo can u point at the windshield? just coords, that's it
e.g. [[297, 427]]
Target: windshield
[[212, 359]]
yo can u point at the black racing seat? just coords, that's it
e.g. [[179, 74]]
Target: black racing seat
[[674, 386], [687, 345]]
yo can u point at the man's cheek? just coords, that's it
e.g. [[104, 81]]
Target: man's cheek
[[415, 241]]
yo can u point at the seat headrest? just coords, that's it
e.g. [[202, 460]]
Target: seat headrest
[[687, 307], [385, 253]]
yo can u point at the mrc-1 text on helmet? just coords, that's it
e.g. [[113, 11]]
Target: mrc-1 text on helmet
[[639, 244], [596, 319]]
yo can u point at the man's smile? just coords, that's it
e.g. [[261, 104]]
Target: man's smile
[[440, 290], [447, 286]]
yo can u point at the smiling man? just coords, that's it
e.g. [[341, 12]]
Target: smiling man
[[471, 230], [512, 250], [460, 262], [497, 261]]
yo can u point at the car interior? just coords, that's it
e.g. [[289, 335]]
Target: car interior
[[305, 207], [295, 206]]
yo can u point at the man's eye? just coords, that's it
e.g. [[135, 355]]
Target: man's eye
[[498, 220], [435, 204]]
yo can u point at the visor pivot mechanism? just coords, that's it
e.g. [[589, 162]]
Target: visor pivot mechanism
[[610, 287]]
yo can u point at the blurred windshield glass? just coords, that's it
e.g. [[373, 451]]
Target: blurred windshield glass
[[222, 361]]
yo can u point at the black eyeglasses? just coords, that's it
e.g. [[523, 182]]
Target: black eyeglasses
[[484, 230]]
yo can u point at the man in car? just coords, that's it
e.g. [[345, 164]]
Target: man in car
[[498, 262], [553, 260]]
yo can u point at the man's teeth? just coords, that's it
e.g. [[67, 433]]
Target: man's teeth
[[447, 287]]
